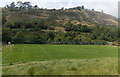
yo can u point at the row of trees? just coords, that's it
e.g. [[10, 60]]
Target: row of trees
[[21, 5], [77, 8], [40, 37], [98, 32], [27, 5]]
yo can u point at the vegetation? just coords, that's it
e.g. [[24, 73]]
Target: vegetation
[[106, 66], [23, 23], [34, 30]]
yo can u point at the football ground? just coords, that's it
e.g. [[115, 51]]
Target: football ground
[[32, 52]]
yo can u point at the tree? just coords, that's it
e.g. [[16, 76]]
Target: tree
[[83, 7], [62, 8], [102, 11], [93, 9], [3, 19], [8, 24], [12, 5], [28, 24], [7, 6], [49, 40], [19, 37], [79, 8], [50, 35], [59, 37], [77, 27], [68, 26], [36, 39], [27, 5], [77, 39], [36, 7], [85, 28], [14, 24], [6, 35], [42, 24], [19, 5], [68, 39]]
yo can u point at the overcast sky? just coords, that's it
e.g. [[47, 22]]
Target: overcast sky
[[108, 6]]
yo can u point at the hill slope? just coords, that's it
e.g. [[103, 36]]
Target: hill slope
[[61, 17], [70, 26]]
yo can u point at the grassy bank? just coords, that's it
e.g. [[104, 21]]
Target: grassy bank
[[103, 66]]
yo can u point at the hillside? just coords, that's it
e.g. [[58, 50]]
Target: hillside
[[61, 17], [58, 26]]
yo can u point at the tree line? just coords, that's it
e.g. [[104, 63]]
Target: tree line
[[21, 5], [27, 5]]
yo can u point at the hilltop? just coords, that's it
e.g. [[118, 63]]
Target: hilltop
[[77, 15], [61, 17]]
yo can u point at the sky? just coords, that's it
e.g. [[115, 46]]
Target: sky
[[108, 6]]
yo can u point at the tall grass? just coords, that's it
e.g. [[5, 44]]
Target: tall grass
[[102, 66]]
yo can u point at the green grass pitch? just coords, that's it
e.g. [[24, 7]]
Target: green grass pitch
[[43, 52]]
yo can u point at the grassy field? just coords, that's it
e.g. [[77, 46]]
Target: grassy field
[[31, 52], [74, 59]]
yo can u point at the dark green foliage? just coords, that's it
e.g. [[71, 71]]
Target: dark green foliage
[[3, 19], [68, 26], [6, 35], [80, 27], [105, 33], [50, 35], [73, 69], [19, 37], [32, 32]]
